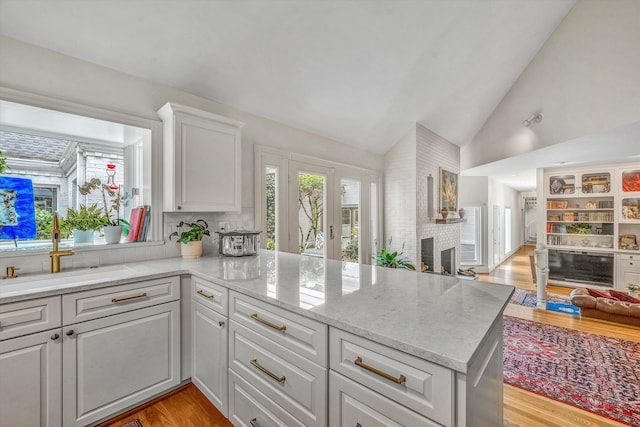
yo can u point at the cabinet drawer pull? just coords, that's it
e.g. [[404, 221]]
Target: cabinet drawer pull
[[70, 332], [269, 324], [255, 363], [360, 363], [55, 337], [129, 298], [204, 294], [254, 422]]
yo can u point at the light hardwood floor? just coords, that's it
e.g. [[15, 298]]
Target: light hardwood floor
[[525, 409], [188, 407]]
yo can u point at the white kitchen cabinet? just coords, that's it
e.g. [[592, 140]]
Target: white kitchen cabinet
[[31, 380], [628, 270], [351, 404], [114, 362], [283, 356], [419, 385], [202, 160], [209, 363], [248, 407]]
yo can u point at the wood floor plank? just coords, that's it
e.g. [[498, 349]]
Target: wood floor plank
[[186, 408]]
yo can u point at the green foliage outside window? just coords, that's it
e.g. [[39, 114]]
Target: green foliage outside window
[[310, 202], [271, 210], [3, 162], [44, 219]]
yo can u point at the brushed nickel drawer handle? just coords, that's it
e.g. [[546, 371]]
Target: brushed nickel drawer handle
[[129, 298], [360, 363], [255, 363], [204, 294], [269, 324]]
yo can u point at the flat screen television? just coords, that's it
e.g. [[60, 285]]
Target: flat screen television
[[581, 267]]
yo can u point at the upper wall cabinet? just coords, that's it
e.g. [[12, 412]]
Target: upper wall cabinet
[[569, 184], [202, 160]]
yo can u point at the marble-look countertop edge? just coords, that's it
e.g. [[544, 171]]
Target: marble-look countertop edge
[[154, 270]]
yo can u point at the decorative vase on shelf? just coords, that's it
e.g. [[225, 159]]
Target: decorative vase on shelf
[[112, 234], [461, 213], [444, 212]]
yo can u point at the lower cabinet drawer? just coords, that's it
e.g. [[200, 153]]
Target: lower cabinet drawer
[[421, 386], [103, 302], [248, 407], [210, 295], [290, 380], [27, 317], [351, 404]]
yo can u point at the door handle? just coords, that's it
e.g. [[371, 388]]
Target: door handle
[[331, 232]]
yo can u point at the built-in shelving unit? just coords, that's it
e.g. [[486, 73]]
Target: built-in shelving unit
[[593, 211]]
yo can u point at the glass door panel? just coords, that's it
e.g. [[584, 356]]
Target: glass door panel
[[310, 231], [271, 202], [350, 224]]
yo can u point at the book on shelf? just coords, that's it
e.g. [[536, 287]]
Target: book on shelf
[[136, 221], [145, 224]]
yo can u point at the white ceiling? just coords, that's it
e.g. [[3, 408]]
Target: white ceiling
[[360, 72], [519, 172]]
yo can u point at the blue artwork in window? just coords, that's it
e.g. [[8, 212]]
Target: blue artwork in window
[[17, 211]]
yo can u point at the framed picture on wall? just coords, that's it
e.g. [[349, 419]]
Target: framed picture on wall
[[448, 190]]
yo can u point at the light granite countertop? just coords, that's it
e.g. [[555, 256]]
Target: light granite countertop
[[440, 319]]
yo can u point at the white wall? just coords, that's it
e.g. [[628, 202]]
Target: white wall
[[487, 192], [41, 71], [584, 80], [400, 195]]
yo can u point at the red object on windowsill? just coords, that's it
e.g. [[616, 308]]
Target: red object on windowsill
[[111, 166]]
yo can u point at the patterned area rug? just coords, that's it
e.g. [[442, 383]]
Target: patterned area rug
[[134, 423], [592, 372]]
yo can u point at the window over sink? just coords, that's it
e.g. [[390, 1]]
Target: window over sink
[[56, 148]]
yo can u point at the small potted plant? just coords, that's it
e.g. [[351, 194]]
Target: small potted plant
[[393, 259], [190, 237], [83, 222], [115, 225], [633, 289]]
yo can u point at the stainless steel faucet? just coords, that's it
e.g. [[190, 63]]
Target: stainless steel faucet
[[55, 254]]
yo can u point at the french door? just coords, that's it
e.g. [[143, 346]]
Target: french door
[[316, 208]]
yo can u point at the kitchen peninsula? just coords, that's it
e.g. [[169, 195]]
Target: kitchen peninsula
[[416, 348]]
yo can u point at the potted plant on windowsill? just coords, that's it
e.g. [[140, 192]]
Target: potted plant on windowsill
[[190, 237], [114, 226], [83, 222]]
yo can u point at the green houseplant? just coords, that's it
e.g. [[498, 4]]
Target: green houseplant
[[83, 222], [114, 226], [190, 236], [393, 259]]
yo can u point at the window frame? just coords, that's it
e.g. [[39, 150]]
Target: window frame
[[153, 161]]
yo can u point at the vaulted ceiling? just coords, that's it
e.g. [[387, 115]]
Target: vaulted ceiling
[[360, 72]]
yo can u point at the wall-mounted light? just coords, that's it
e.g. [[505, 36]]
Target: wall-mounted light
[[533, 118]]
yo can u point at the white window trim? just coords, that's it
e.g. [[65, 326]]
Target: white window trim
[[155, 126], [268, 156]]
